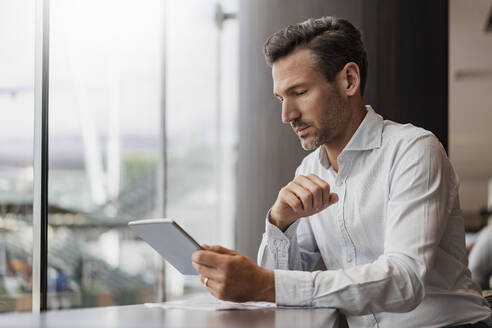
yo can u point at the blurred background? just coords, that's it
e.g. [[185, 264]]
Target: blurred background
[[163, 108]]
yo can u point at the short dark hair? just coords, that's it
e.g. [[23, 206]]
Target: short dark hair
[[333, 41]]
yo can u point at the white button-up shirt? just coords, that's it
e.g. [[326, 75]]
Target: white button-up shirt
[[393, 245]]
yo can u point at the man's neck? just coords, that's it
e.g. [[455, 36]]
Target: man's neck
[[336, 146]]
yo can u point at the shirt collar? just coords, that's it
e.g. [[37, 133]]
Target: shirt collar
[[368, 134], [366, 137]]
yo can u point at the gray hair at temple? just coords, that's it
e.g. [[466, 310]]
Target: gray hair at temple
[[333, 42]]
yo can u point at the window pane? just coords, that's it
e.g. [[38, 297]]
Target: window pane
[[16, 153], [201, 108], [105, 104]]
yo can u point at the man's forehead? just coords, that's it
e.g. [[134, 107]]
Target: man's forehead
[[299, 60], [292, 69]]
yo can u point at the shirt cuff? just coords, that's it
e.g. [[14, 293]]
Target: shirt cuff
[[278, 242], [274, 232], [293, 288]]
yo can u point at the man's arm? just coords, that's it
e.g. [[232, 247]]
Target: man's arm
[[422, 192], [234, 277], [288, 242]]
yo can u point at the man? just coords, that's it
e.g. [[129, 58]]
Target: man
[[480, 263], [376, 202]]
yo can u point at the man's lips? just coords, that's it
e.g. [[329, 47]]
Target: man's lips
[[301, 130]]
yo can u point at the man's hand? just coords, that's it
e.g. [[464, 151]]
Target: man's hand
[[232, 276], [304, 196]]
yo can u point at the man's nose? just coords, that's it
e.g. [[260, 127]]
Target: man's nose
[[290, 111]]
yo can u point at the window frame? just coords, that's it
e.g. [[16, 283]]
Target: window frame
[[40, 188]]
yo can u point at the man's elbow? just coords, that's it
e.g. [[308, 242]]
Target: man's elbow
[[413, 298], [407, 287], [411, 285]]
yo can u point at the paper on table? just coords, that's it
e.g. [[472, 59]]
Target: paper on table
[[327, 318], [211, 304]]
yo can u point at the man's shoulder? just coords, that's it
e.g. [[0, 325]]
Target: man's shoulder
[[397, 135], [401, 131], [405, 143]]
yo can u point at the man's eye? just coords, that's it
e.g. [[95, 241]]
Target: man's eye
[[300, 93]]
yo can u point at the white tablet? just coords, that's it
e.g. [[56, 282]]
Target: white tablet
[[169, 240]]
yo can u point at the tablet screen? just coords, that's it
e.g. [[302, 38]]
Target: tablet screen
[[171, 241]]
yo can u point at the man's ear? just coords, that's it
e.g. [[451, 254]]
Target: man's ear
[[350, 75]]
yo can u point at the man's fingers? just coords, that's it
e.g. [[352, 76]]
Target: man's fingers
[[303, 194], [314, 188], [294, 202], [211, 283], [333, 199], [208, 272], [208, 258], [324, 186], [221, 250], [214, 288]]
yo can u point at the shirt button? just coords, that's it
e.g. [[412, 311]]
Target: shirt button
[[349, 259], [340, 224], [339, 183]]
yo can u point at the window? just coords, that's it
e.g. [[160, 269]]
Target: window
[[105, 94], [16, 153], [142, 123], [201, 102]]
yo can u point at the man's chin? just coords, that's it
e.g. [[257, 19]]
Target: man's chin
[[308, 144]]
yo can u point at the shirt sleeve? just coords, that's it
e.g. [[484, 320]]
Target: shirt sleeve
[[421, 189], [294, 249]]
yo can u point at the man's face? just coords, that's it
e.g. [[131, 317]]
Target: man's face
[[313, 107]]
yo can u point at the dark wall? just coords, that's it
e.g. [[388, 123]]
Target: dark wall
[[407, 48], [407, 43]]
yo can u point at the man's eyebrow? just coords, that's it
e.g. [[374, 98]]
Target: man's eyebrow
[[292, 87]]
